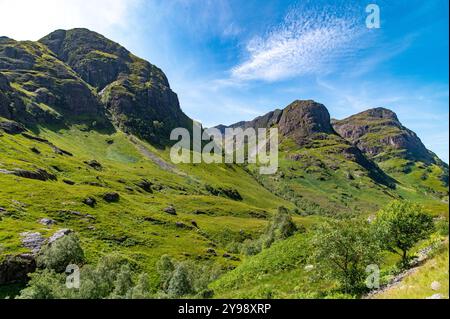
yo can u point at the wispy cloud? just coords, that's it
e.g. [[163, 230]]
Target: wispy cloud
[[308, 41]]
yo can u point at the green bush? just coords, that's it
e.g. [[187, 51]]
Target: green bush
[[60, 253], [401, 225]]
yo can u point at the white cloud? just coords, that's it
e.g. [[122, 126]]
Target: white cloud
[[307, 42], [31, 20]]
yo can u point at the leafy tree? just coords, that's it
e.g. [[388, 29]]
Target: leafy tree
[[400, 225], [179, 283], [60, 253], [280, 227], [142, 289], [342, 249], [165, 268]]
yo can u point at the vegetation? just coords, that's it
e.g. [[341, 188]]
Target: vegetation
[[401, 225]]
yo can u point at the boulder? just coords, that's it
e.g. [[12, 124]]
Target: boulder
[[15, 269], [11, 127], [170, 210], [46, 221], [111, 197], [59, 234], [33, 241], [39, 174], [90, 201], [94, 164], [435, 285]]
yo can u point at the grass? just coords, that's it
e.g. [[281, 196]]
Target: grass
[[418, 284]]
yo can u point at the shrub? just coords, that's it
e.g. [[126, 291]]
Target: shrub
[[342, 249], [60, 253], [402, 224]]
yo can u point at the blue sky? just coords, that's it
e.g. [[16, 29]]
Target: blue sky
[[234, 60]]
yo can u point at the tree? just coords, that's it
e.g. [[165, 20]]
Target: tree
[[60, 253], [179, 283], [400, 225], [342, 249], [280, 227]]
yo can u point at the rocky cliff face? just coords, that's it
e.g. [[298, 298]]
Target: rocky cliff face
[[136, 93], [78, 75], [37, 87], [379, 134]]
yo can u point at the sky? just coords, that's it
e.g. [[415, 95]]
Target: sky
[[234, 60]]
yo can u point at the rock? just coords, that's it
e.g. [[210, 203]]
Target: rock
[[35, 150], [90, 201], [11, 127], [39, 174], [211, 251], [15, 269], [435, 285], [111, 197], [309, 267], [94, 164], [181, 225], [170, 210], [68, 182], [226, 255], [194, 223], [59, 234], [46, 221], [435, 296], [33, 241], [145, 185]]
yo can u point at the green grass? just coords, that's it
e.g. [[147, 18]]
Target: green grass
[[418, 284]]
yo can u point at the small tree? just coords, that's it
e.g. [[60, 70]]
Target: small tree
[[62, 252], [342, 249], [400, 225], [280, 227], [179, 283]]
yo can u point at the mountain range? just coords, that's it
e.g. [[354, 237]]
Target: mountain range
[[84, 143]]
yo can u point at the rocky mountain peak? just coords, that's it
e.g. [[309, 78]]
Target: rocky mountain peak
[[379, 133], [303, 118]]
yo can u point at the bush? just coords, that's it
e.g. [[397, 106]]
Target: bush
[[280, 227], [179, 283], [342, 249], [60, 253], [402, 224]]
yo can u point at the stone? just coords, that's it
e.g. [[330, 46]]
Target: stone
[[68, 182], [15, 269], [32, 241], [39, 174], [46, 221], [435, 285], [90, 201], [211, 251], [59, 234], [309, 267], [111, 197], [435, 296], [11, 127], [170, 210], [94, 164]]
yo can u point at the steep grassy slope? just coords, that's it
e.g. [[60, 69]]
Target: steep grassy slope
[[136, 225]]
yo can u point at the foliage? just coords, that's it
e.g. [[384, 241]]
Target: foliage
[[342, 249], [60, 253], [401, 225]]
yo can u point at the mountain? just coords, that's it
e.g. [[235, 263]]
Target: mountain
[[84, 127], [398, 150], [79, 75], [319, 170]]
